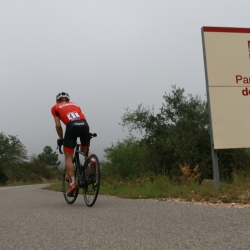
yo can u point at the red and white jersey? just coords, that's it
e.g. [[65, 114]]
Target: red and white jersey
[[67, 112]]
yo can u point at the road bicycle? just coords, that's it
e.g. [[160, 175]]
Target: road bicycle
[[87, 176]]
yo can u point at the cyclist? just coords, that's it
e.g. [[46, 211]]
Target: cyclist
[[76, 126]]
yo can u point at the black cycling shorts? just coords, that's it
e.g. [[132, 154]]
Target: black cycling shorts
[[75, 129]]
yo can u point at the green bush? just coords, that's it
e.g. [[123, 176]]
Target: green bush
[[177, 135]]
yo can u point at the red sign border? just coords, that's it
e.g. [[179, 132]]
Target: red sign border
[[225, 29]]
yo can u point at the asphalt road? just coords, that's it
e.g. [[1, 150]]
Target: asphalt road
[[34, 218]]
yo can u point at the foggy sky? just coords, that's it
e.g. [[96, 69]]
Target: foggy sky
[[108, 55]]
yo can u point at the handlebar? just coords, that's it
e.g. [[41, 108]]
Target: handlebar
[[90, 137]]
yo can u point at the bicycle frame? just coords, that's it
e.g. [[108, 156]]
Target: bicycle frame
[[80, 168], [87, 175]]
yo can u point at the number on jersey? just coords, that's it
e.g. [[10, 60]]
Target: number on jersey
[[73, 115]]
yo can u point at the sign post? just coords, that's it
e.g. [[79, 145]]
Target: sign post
[[226, 54]]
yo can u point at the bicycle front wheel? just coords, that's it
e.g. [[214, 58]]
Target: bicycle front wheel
[[65, 186], [92, 180]]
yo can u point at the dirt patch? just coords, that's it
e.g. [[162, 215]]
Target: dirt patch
[[217, 204]]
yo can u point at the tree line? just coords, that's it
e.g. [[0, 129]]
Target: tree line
[[16, 166], [163, 143]]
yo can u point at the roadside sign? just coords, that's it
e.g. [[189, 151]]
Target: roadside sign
[[227, 66]]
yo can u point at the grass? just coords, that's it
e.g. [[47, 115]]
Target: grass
[[159, 187]]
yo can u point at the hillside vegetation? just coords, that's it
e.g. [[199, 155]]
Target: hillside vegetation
[[165, 142], [17, 167], [167, 154]]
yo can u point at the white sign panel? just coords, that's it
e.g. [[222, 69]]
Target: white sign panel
[[227, 65]]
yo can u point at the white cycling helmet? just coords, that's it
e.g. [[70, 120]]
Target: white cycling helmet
[[62, 95]]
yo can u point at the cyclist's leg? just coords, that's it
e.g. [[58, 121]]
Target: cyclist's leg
[[69, 166], [69, 163], [69, 145], [84, 136], [85, 143], [84, 149]]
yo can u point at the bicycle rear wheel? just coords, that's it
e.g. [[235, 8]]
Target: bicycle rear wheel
[[65, 186], [92, 180]]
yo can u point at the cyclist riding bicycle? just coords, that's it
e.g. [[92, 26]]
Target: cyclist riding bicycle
[[76, 126]]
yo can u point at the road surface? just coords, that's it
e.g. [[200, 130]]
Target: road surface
[[34, 218]]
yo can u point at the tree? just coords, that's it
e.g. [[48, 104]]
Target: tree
[[48, 157], [179, 135], [12, 151], [126, 159]]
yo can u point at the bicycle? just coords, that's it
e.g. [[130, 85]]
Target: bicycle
[[87, 176]]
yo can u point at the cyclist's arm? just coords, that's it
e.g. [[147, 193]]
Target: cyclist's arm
[[59, 129]]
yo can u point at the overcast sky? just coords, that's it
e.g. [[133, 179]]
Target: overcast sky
[[107, 54]]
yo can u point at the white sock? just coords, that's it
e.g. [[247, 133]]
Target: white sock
[[72, 180]]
